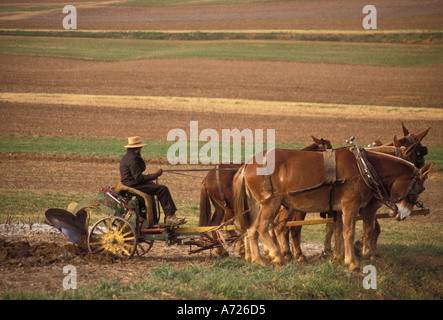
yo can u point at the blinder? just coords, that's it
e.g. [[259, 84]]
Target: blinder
[[412, 190], [420, 153]]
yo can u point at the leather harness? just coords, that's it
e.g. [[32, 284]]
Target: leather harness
[[372, 180], [330, 168]]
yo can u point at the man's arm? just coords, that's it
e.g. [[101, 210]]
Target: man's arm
[[140, 177]]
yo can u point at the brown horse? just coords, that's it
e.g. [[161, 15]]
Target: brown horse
[[282, 232], [408, 154], [298, 185], [414, 152], [216, 188]]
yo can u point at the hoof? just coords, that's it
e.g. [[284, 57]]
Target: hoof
[[354, 267], [287, 258], [277, 263], [259, 262], [339, 259]]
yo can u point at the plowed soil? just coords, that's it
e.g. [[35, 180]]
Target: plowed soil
[[226, 78], [336, 15]]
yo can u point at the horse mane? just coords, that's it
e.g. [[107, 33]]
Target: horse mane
[[392, 157], [383, 149]]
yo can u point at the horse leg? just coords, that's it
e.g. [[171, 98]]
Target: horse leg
[[247, 247], [282, 232], [266, 217], [350, 212], [374, 238], [228, 215], [216, 219], [253, 244], [328, 238], [337, 228], [296, 237], [368, 216]]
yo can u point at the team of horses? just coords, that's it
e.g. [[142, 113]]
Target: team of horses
[[302, 183]]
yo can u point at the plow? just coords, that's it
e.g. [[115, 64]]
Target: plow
[[123, 232]]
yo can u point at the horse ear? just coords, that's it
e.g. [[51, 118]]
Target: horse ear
[[396, 143], [420, 136], [405, 131], [317, 141], [326, 143], [378, 142], [425, 170]]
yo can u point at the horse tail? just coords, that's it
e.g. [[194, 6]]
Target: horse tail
[[240, 199], [205, 207]]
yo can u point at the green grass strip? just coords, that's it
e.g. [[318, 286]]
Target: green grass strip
[[97, 147], [331, 52], [109, 147], [27, 8], [24, 206], [30, 206], [63, 146], [425, 37]]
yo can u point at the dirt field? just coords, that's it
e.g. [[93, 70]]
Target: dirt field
[[34, 259], [335, 15], [219, 78]]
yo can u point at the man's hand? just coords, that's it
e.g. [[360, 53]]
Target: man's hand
[[159, 172]]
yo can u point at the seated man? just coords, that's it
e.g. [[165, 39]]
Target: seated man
[[131, 172]]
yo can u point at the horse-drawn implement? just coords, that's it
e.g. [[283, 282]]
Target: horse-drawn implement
[[132, 219], [124, 232]]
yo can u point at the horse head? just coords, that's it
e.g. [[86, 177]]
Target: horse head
[[413, 153], [405, 190], [410, 139]]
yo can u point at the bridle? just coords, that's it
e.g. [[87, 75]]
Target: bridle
[[412, 190], [420, 151], [373, 181]]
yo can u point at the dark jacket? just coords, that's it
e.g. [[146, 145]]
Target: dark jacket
[[131, 168]]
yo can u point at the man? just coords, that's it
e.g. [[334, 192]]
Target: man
[[131, 173]]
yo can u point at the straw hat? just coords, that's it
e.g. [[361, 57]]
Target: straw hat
[[135, 142]]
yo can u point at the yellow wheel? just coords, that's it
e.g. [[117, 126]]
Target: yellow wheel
[[114, 236]]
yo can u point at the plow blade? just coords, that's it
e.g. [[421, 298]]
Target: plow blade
[[70, 225]]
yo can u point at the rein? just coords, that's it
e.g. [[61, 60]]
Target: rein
[[181, 172], [193, 170]]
